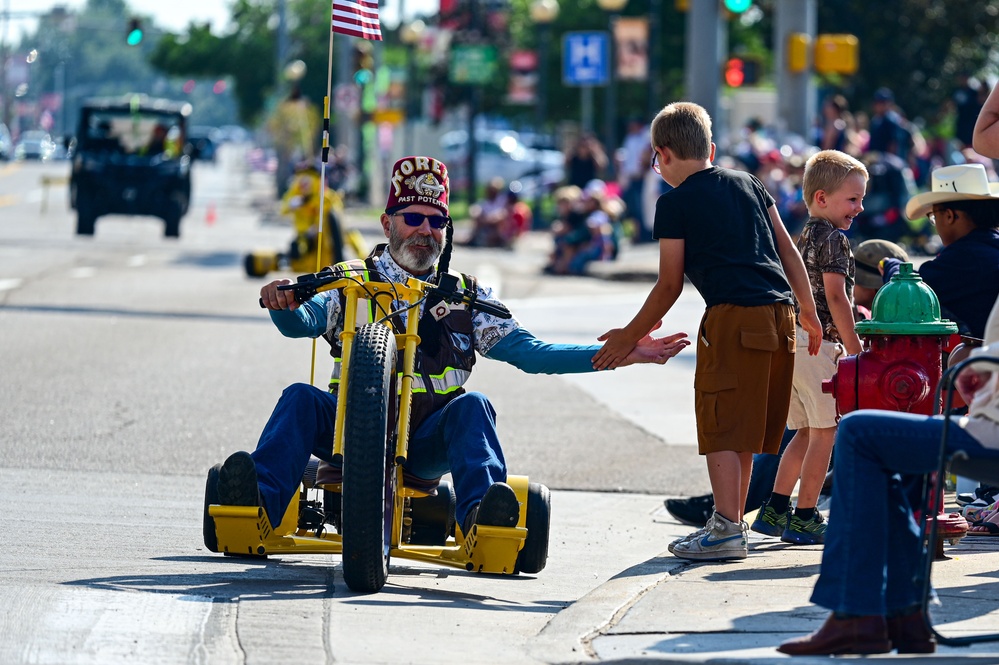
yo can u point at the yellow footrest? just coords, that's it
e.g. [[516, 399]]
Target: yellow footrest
[[493, 549]]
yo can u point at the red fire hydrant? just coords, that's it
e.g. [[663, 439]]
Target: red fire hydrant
[[900, 366]]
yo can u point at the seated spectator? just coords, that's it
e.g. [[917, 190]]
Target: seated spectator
[[569, 230], [602, 212], [965, 275], [489, 217], [519, 217], [873, 547]]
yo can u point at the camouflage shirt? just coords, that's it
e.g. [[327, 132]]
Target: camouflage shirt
[[825, 249]]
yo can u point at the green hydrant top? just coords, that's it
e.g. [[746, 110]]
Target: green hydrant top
[[906, 306]]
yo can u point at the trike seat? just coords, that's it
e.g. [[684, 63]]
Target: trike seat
[[328, 475]]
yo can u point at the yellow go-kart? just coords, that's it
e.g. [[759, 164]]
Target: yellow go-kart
[[375, 510], [301, 204]]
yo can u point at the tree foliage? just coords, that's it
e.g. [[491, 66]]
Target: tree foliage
[[915, 47]]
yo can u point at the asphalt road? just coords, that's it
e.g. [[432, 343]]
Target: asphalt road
[[131, 363]]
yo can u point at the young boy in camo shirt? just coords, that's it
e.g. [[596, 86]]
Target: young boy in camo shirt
[[834, 188]]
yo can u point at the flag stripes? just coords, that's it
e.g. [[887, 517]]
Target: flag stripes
[[357, 18]]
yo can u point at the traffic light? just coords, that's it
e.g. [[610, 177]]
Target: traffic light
[[738, 6], [734, 72], [836, 54], [134, 34], [364, 63]]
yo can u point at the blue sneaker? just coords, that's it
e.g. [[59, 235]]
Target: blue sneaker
[[769, 522], [805, 532]]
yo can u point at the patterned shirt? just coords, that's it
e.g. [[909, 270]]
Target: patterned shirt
[[825, 249], [322, 314]]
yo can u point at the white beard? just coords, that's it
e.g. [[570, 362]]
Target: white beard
[[409, 255]]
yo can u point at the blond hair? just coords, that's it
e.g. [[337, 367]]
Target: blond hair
[[827, 170], [684, 128]]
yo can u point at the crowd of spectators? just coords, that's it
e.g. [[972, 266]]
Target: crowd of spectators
[[898, 150]]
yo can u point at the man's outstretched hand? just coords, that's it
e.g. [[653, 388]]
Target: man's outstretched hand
[[649, 349]]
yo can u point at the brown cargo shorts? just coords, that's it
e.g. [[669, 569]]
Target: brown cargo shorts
[[742, 383]]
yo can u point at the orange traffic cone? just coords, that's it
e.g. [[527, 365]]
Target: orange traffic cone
[[210, 215]]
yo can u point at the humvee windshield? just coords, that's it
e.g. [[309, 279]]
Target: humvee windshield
[[133, 133]]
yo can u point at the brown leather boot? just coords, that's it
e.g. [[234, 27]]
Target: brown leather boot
[[867, 634], [909, 633]]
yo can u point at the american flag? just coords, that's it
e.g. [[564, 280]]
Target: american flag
[[357, 18]]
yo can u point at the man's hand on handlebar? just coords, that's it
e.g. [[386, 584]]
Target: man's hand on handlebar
[[272, 298]]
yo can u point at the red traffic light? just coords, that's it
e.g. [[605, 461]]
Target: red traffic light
[[735, 73]]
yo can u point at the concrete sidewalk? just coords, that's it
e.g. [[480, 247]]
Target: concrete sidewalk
[[738, 612]]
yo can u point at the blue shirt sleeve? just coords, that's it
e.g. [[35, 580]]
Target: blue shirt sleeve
[[528, 353], [309, 320]]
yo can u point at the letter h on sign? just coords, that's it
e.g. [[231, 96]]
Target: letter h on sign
[[585, 58]]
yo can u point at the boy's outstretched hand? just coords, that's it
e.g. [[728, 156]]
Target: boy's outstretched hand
[[619, 351]]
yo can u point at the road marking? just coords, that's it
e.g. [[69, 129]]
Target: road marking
[[83, 272], [136, 261], [8, 284]]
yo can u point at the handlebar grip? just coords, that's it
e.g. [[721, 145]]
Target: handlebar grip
[[495, 310]]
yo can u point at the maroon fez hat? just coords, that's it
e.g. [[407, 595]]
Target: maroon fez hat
[[418, 181]]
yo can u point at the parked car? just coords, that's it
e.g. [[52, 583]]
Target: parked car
[[499, 153], [130, 158], [34, 144], [6, 143]]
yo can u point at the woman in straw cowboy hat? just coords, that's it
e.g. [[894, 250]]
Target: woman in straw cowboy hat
[[964, 208]]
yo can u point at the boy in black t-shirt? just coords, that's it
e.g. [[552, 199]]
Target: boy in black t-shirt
[[721, 229]]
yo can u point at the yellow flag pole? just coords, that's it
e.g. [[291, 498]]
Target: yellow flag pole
[[322, 179]]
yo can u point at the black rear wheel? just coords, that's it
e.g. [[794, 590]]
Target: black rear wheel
[[211, 496], [368, 479], [433, 517], [533, 557]]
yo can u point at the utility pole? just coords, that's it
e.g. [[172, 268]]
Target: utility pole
[[707, 43], [796, 104]]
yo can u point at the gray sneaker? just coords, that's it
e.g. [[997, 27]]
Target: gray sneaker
[[696, 534], [721, 540]]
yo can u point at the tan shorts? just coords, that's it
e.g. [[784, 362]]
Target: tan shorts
[[742, 384], [810, 407]]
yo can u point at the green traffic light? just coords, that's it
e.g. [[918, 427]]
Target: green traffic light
[[134, 37], [738, 6]]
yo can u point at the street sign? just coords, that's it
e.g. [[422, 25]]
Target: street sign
[[472, 64], [585, 58]]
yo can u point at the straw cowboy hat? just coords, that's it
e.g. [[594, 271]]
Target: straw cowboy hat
[[962, 182]]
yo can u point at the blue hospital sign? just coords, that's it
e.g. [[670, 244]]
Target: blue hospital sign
[[585, 58]]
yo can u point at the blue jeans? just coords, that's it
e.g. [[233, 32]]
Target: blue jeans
[[873, 546], [460, 437]]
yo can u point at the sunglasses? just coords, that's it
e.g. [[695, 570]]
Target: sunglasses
[[416, 219]]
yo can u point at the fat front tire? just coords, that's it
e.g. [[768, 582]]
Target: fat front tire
[[534, 555], [367, 485], [211, 496]]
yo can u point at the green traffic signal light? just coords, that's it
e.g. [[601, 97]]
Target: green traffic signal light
[[738, 6], [134, 32]]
